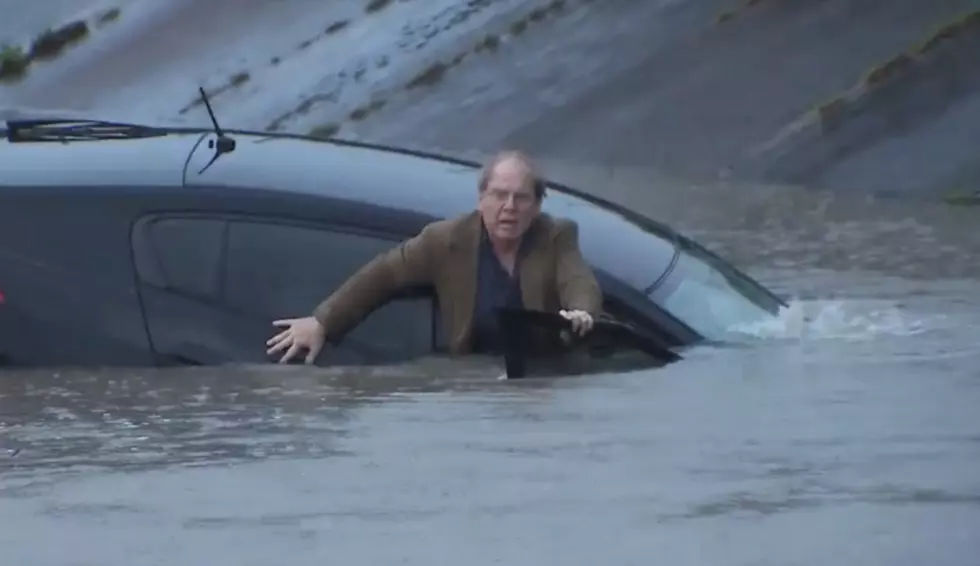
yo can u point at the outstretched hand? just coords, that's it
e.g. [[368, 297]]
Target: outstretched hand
[[581, 321], [300, 333]]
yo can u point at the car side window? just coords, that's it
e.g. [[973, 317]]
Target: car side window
[[279, 271], [180, 254]]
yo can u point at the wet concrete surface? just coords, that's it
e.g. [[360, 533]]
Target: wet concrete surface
[[699, 88], [851, 438]]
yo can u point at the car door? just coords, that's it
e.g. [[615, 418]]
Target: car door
[[276, 270], [178, 262], [211, 287]]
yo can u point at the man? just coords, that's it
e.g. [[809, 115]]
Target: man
[[505, 253]]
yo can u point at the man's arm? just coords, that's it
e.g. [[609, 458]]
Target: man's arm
[[577, 285], [408, 264]]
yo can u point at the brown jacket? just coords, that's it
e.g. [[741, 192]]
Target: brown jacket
[[554, 275]]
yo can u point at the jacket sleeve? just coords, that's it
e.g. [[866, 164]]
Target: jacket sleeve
[[406, 265], [578, 288]]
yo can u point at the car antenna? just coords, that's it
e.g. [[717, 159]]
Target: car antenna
[[224, 143]]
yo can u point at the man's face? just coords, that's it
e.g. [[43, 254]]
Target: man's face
[[507, 204]]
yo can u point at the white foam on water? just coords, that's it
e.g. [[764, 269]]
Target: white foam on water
[[837, 319]]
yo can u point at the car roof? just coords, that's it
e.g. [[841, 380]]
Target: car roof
[[391, 176], [417, 181], [154, 161], [424, 183], [634, 248]]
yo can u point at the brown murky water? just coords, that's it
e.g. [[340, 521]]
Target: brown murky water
[[850, 438]]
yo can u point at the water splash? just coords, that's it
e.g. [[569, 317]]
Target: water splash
[[823, 319]]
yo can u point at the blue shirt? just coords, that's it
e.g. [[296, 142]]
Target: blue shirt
[[495, 288]]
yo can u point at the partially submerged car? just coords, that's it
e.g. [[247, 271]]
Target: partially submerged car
[[131, 245]]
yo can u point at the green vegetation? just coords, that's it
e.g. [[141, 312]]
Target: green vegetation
[[556, 6], [363, 112], [325, 131], [489, 43], [110, 15], [336, 26], [537, 14], [730, 13], [238, 79], [830, 110], [889, 68], [431, 75], [375, 5], [963, 197], [51, 43], [13, 62], [949, 31]]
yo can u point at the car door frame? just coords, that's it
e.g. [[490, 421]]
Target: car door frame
[[150, 275]]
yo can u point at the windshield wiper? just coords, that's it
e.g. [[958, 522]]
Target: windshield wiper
[[64, 130]]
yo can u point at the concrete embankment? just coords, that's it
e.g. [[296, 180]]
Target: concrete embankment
[[860, 95]]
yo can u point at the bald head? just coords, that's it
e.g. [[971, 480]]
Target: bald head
[[512, 163]]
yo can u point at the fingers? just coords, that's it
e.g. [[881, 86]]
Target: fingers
[[581, 321], [290, 354], [277, 338], [313, 353], [281, 342], [587, 323], [284, 322]]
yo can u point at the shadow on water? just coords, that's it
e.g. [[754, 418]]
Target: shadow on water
[[149, 418]]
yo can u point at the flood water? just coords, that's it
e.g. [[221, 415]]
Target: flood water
[[851, 438], [847, 433]]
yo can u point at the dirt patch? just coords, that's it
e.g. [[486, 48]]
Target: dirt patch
[[730, 14], [336, 26], [108, 16], [832, 112], [518, 27], [966, 22], [363, 112], [375, 5], [325, 131], [888, 69], [13, 62], [963, 197], [303, 108], [52, 43], [234, 81], [16, 60], [489, 43], [431, 75], [434, 73]]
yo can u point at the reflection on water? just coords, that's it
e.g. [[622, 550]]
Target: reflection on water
[[77, 419], [862, 451]]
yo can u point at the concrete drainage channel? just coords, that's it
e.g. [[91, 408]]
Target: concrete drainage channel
[[16, 59]]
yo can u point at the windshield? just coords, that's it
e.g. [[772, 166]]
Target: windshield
[[711, 296]]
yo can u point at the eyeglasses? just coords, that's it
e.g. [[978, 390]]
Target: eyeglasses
[[521, 198]]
